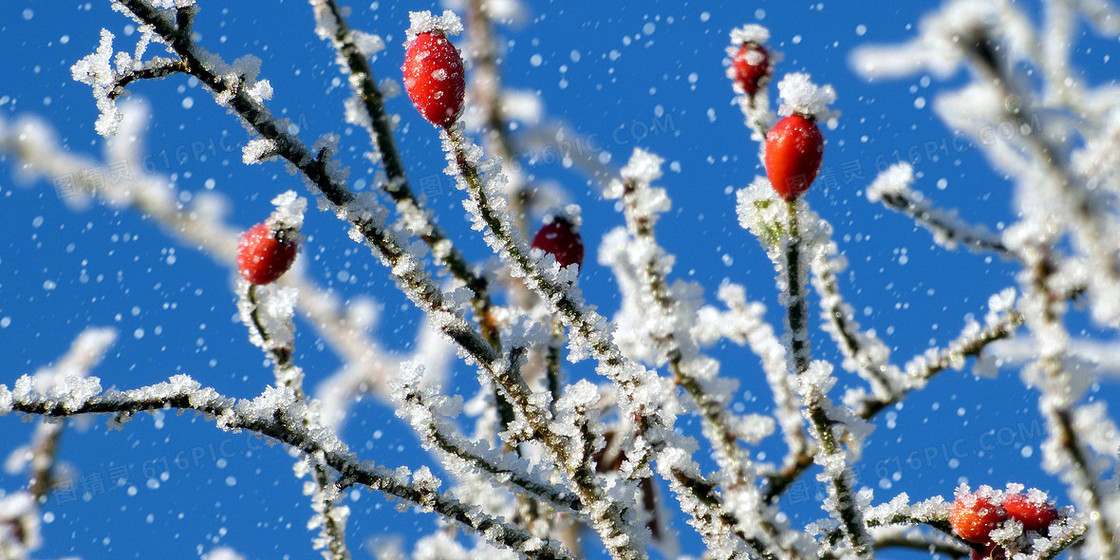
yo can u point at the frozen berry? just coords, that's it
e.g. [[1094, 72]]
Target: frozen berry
[[1034, 515], [434, 78], [560, 239], [973, 517], [751, 67], [794, 148], [266, 252]]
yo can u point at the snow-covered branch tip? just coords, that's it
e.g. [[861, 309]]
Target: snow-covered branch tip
[[892, 188]]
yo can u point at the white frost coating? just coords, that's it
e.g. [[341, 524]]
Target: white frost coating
[[800, 95], [935, 508], [70, 392], [290, 208], [274, 310], [524, 332], [326, 25], [260, 91], [258, 150], [368, 44], [895, 179], [643, 166], [95, 70], [425, 22], [815, 382], [761, 211], [750, 33], [744, 323]]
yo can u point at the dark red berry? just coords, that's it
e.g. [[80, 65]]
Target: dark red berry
[[1035, 516], [751, 67], [794, 149], [560, 239], [266, 252], [973, 517], [434, 78], [992, 551]]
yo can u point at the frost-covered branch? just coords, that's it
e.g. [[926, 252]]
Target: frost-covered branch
[[268, 315], [892, 188], [488, 206], [864, 353], [367, 109], [276, 415], [660, 312], [1065, 452], [367, 219], [1057, 181], [584, 452], [423, 408], [1000, 323], [322, 176], [640, 388], [743, 323], [20, 511], [121, 181], [656, 320], [1064, 177], [814, 382]]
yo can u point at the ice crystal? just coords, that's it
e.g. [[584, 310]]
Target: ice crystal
[[800, 95], [425, 22]]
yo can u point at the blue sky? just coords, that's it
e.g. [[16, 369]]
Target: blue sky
[[646, 74]]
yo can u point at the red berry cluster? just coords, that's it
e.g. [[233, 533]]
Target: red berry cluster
[[434, 78], [266, 252], [975, 515], [561, 239]]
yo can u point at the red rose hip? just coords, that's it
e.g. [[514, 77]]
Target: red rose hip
[[751, 67], [560, 239], [794, 149], [266, 252], [973, 518], [1034, 515], [434, 78]]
